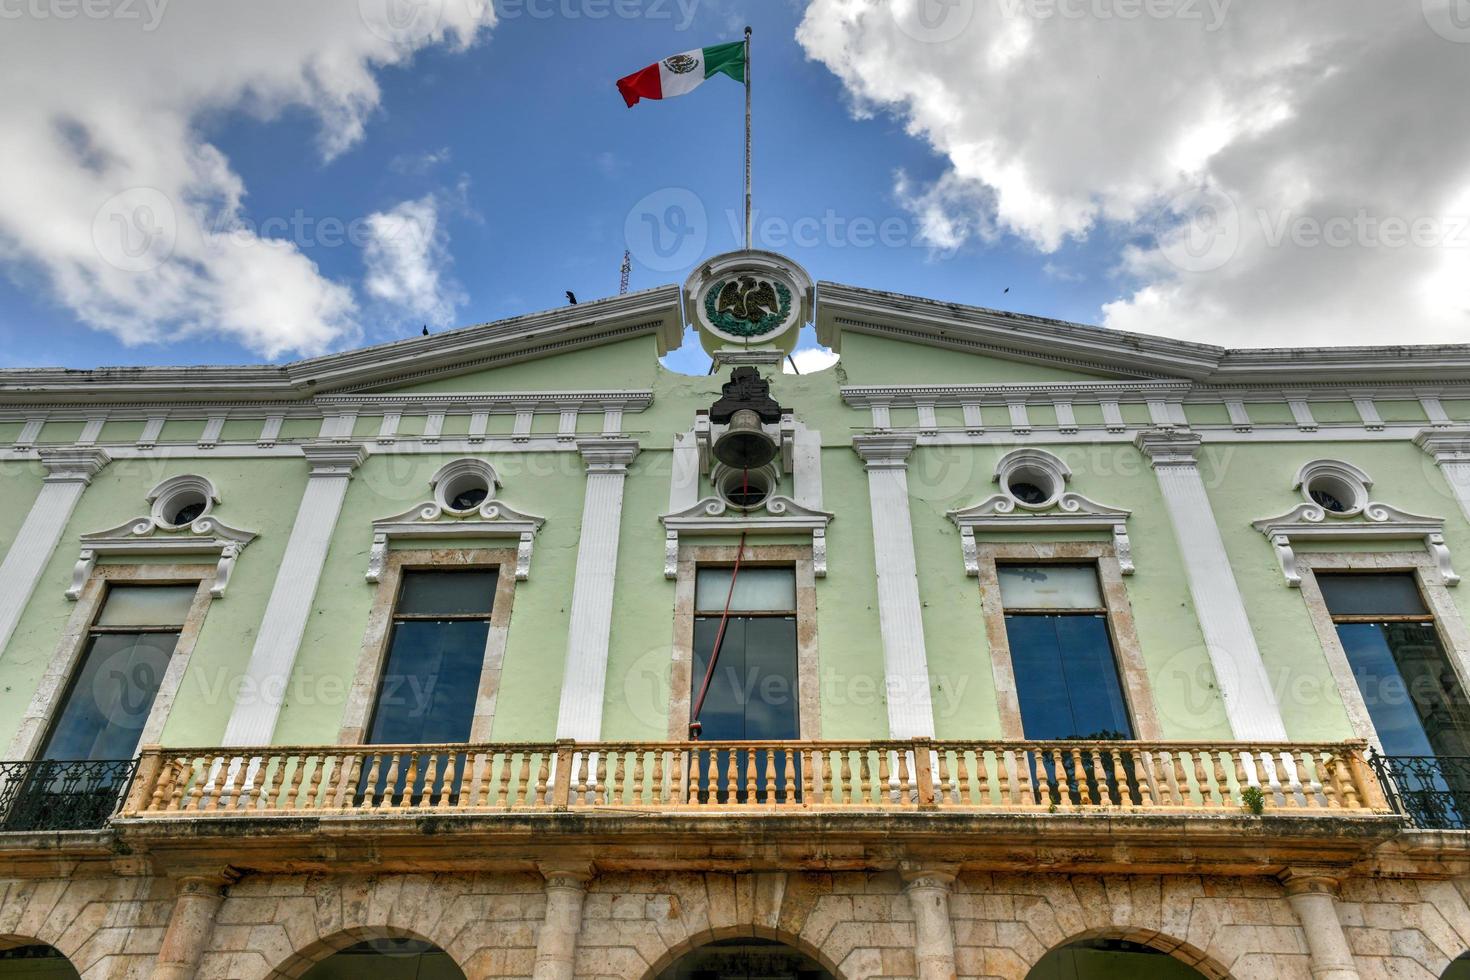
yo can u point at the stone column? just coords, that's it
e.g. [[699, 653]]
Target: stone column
[[582, 686], [1450, 447], [1250, 704], [900, 620], [1313, 897], [556, 942], [68, 471], [928, 888], [253, 720], [196, 904]]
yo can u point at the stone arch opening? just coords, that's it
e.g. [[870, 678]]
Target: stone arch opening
[[1459, 969], [1136, 955], [751, 953], [22, 958], [371, 954]]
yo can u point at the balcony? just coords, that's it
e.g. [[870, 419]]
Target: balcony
[[47, 795], [1432, 792], [733, 778]]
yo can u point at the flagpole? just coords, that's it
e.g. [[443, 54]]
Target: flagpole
[[747, 138]]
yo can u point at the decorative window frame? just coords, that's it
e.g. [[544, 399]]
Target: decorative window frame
[[374, 655], [808, 658], [1063, 511], [152, 534], [1366, 521], [51, 691], [713, 517], [435, 521], [1127, 651], [1454, 636]]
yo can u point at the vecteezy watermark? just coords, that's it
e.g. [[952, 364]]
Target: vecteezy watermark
[[1450, 19], [1198, 230], [931, 21], [407, 23], [136, 230], [667, 230], [149, 12], [1210, 13], [313, 231], [1363, 229], [680, 12], [829, 230]]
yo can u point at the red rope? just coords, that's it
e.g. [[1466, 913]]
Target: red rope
[[709, 673]]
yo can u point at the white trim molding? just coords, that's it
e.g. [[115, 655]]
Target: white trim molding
[[589, 627], [1373, 522], [1351, 485], [273, 656], [713, 517], [1250, 703], [153, 535], [1450, 447], [900, 612], [68, 472], [436, 520]]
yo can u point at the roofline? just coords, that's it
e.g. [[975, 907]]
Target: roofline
[[650, 311]]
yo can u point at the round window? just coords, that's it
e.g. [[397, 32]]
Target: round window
[[1032, 485], [745, 489], [469, 498], [183, 508], [466, 491], [1334, 493]]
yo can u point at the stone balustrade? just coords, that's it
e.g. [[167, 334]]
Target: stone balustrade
[[1074, 777]]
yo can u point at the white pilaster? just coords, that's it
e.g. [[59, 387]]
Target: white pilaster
[[253, 720], [1450, 448], [900, 621], [1313, 897], [68, 471], [583, 684], [1250, 704]]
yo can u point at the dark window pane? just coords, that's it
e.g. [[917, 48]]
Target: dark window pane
[[1066, 677], [430, 682], [456, 593], [147, 605], [110, 697], [1371, 595], [753, 693], [1413, 697]]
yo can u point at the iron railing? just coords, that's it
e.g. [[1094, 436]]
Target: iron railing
[[47, 794], [1432, 791]]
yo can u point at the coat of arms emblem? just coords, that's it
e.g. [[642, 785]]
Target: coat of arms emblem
[[747, 306], [681, 64]]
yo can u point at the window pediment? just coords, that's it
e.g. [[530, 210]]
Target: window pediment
[[713, 516], [1372, 522]]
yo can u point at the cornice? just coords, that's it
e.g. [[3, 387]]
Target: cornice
[[608, 454], [865, 396], [885, 450], [334, 458], [499, 402], [1169, 447], [73, 464], [1450, 444]]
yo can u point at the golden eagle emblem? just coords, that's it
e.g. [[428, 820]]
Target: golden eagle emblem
[[681, 64], [748, 298]]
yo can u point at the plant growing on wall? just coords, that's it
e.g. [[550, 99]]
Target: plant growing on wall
[[1253, 800]]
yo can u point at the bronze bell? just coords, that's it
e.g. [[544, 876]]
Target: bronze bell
[[745, 444]]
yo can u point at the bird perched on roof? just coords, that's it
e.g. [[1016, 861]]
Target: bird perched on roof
[[571, 297], [426, 330]]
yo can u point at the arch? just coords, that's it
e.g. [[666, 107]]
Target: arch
[[1192, 957], [1459, 968], [695, 943], [24, 958], [301, 962]]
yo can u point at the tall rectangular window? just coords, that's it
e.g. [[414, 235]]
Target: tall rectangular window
[[1062, 653], [113, 689], [753, 691], [436, 651]]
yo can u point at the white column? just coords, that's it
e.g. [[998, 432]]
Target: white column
[[253, 720], [556, 940], [1250, 704], [928, 889], [68, 471], [900, 622], [580, 716], [1450, 448], [1312, 896]]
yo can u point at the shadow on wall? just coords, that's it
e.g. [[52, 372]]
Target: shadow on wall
[[1110, 959], [385, 959], [35, 962]]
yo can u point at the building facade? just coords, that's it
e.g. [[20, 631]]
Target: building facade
[[1003, 648]]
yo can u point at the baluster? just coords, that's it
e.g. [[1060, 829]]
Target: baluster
[[809, 778], [1099, 776], [369, 789], [1024, 758], [1063, 789], [186, 778], [1181, 779], [196, 792], [1264, 774], [543, 780], [409, 797], [1141, 777], [1120, 778], [472, 789], [655, 794], [1003, 762], [681, 780], [1326, 769], [771, 754], [827, 776], [431, 779], [1201, 780], [980, 795], [752, 778], [389, 783], [695, 781], [882, 792], [1222, 782], [864, 790], [1294, 780], [1079, 773], [732, 775], [1157, 767], [502, 787], [1347, 781], [635, 789], [168, 774], [1241, 780], [943, 789], [789, 782]]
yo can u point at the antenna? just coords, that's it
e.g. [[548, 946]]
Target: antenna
[[624, 272]]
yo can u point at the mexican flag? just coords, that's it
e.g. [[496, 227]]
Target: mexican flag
[[683, 73]]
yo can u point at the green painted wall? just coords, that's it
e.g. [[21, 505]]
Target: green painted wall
[[22, 482], [631, 362], [870, 360]]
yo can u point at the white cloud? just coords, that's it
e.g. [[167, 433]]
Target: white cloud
[[132, 217], [810, 360], [404, 252], [1269, 162]]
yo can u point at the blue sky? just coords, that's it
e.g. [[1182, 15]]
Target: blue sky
[[526, 136], [1234, 173]]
